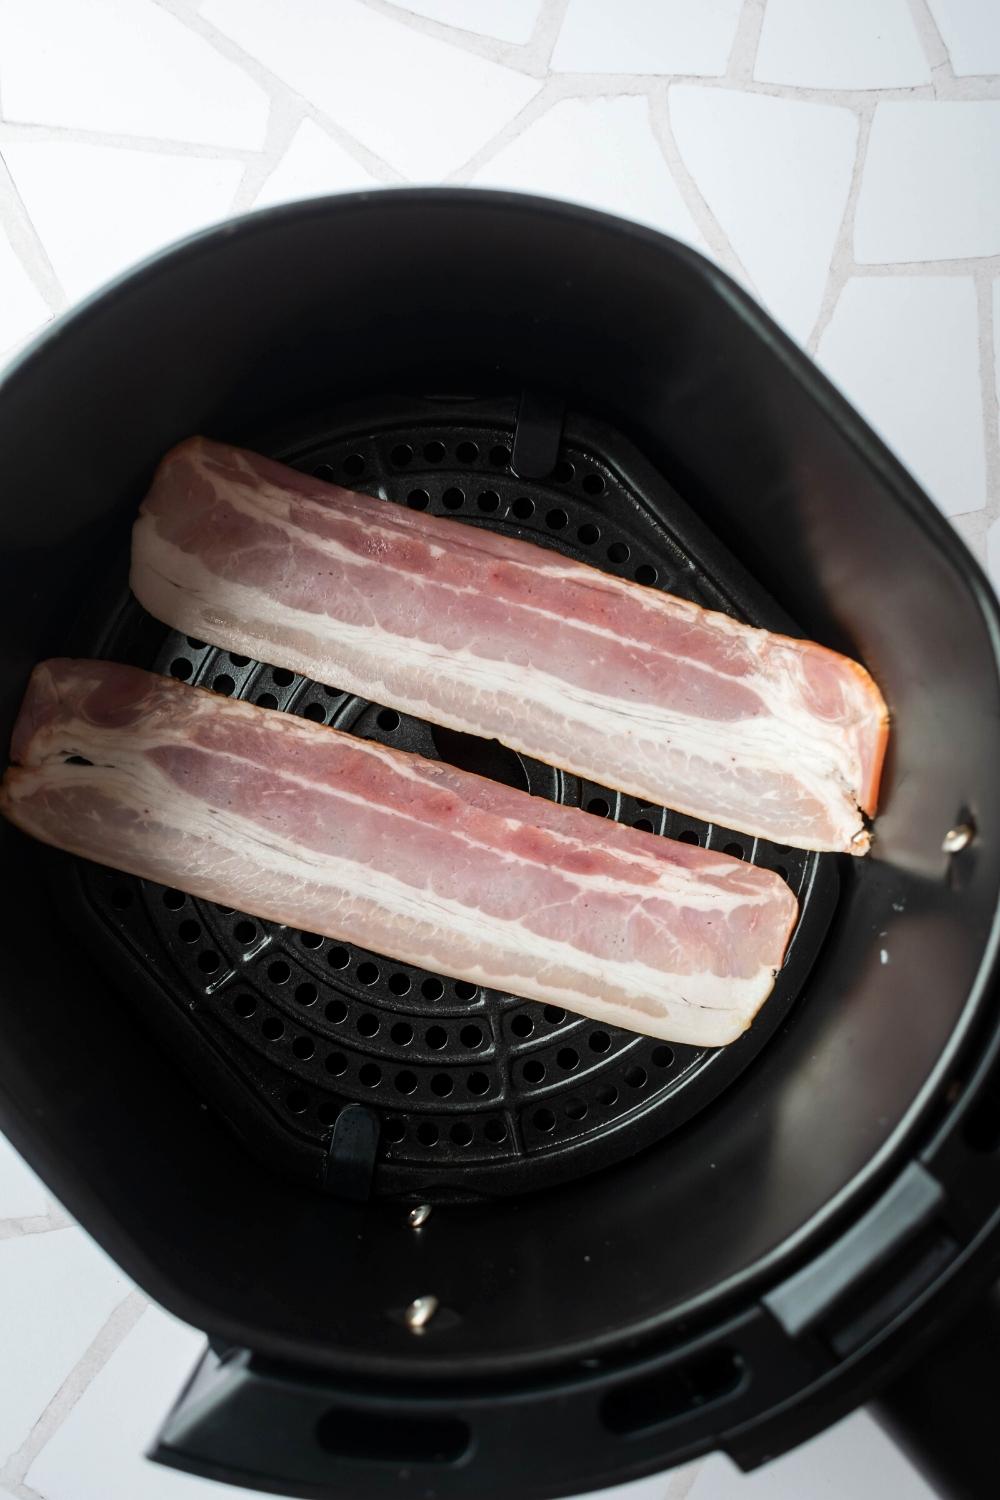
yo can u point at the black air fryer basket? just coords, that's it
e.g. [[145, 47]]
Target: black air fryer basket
[[443, 1241]]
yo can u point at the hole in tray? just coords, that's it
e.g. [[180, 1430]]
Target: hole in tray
[[482, 757]]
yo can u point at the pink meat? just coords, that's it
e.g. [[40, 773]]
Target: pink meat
[[301, 824], [483, 633]]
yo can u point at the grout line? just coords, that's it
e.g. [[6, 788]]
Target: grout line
[[680, 1484], [988, 381], [956, 266], [547, 29], [23, 1491], [549, 94], [696, 202], [842, 263], [25, 241], [930, 37], [743, 53], [523, 57], [283, 120], [11, 130], [120, 1323], [278, 89], [15, 1229], [856, 99]]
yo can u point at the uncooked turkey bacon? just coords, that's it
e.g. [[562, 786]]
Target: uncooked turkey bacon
[[304, 825], [622, 684]]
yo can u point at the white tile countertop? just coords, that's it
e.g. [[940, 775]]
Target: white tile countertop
[[841, 158]]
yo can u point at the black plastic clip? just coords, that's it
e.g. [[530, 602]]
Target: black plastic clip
[[350, 1160], [537, 434]]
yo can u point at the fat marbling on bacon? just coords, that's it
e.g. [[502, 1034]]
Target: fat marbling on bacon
[[484, 633], [301, 824]]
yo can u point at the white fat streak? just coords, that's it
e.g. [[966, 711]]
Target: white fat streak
[[702, 1009], [778, 690], [824, 770], [675, 884]]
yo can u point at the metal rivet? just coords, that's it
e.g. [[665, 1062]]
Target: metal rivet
[[958, 838], [419, 1215], [419, 1313]]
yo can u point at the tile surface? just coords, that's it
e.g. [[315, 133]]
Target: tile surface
[[398, 91], [841, 156], [22, 1194], [22, 306], [917, 200], [852, 44], [906, 351], [56, 1292], [312, 165], [126, 67], [129, 1396], [636, 36], [831, 1467], [510, 20], [775, 172], [971, 32], [99, 209], [601, 152]]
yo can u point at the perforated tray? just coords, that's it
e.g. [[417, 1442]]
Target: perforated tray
[[474, 1092]]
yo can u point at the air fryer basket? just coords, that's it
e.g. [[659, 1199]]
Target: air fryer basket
[[638, 1253]]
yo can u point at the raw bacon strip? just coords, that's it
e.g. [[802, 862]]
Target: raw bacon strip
[[307, 826], [483, 633]]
